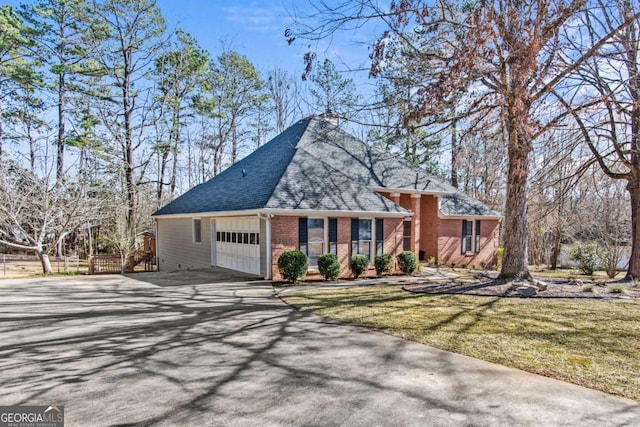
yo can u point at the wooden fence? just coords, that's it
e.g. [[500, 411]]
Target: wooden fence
[[112, 263], [105, 264]]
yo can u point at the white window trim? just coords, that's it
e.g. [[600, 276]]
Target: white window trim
[[472, 250], [372, 242]]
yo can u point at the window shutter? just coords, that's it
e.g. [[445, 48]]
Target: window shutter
[[379, 236], [303, 235], [355, 233], [477, 248], [333, 236]]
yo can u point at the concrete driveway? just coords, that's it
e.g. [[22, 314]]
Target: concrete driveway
[[210, 348]]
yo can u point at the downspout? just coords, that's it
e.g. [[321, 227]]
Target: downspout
[[155, 223], [267, 218]]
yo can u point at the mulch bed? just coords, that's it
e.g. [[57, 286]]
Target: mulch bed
[[557, 288]]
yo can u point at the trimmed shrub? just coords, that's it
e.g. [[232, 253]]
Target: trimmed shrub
[[358, 264], [383, 264], [293, 265], [586, 257], [329, 266], [407, 262]]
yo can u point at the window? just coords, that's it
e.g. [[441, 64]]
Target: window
[[470, 237], [361, 237], [311, 238], [236, 237], [406, 235], [197, 230]]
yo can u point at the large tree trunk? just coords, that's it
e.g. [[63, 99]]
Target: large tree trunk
[[515, 263], [555, 253], [516, 240], [633, 186], [44, 260]]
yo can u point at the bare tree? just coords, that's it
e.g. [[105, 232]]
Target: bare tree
[[509, 52], [282, 89], [606, 100], [134, 37], [36, 215]]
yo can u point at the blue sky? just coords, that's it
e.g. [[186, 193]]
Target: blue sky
[[253, 28], [256, 29]]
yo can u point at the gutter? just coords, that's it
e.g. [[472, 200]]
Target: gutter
[[288, 212], [268, 260]]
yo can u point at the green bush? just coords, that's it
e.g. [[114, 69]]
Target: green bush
[[432, 262], [383, 264], [329, 266], [407, 262], [358, 264], [586, 257], [293, 265]]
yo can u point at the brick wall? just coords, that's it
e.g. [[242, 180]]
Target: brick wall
[[450, 243], [429, 223], [393, 238], [284, 237]]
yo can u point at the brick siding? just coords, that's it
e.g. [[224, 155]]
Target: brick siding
[[450, 243], [284, 237]]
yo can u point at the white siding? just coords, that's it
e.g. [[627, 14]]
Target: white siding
[[176, 249]]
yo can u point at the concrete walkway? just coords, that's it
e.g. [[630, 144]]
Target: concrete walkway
[[202, 348]]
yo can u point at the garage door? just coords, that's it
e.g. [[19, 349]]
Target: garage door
[[238, 244]]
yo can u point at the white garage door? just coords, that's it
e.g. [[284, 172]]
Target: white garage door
[[238, 244]]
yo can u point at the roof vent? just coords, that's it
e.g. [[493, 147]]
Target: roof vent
[[244, 173]]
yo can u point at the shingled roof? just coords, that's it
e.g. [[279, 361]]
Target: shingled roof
[[462, 205], [313, 165]]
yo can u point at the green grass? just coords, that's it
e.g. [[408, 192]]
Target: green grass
[[592, 343]]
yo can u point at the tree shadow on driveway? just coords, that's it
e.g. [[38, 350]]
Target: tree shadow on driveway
[[121, 351]]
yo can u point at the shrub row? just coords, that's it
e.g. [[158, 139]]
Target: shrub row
[[293, 265]]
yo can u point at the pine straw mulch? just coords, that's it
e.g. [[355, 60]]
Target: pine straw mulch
[[557, 288]]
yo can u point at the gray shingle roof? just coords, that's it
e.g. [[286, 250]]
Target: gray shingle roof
[[460, 204], [313, 165]]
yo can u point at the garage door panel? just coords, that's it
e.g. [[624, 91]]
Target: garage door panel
[[238, 252]]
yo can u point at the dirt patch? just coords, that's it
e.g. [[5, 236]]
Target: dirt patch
[[557, 288]]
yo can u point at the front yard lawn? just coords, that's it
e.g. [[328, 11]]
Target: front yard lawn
[[593, 343]]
